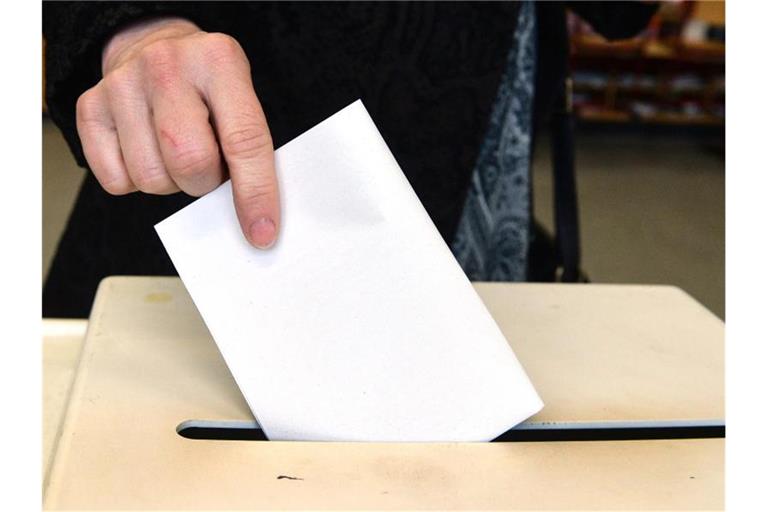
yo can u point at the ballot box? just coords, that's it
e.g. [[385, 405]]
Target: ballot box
[[631, 378]]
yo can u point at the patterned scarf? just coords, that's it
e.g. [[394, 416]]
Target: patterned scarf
[[491, 242]]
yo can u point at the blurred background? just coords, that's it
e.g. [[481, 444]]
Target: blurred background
[[650, 155], [650, 152]]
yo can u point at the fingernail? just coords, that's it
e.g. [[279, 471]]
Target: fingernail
[[262, 233]]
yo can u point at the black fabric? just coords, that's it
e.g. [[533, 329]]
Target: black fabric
[[615, 20], [427, 73]]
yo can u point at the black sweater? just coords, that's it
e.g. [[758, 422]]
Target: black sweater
[[426, 72]]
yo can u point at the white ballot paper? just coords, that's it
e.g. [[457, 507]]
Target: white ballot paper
[[358, 324]]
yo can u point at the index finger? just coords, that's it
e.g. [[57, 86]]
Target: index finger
[[247, 148]]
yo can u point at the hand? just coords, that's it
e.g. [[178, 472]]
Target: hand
[[176, 110]]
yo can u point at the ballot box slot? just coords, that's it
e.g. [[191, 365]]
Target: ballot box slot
[[527, 432], [613, 433]]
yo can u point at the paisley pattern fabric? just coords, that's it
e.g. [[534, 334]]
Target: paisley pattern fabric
[[491, 242]]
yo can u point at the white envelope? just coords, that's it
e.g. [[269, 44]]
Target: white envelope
[[359, 324]]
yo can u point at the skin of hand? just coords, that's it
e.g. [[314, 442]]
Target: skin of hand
[[176, 110]]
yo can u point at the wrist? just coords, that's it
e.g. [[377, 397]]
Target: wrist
[[138, 35]]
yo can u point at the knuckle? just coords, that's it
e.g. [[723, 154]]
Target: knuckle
[[87, 107], [151, 180], [115, 183], [193, 162], [255, 191], [223, 47], [159, 53], [160, 64], [84, 101], [119, 82], [117, 187], [247, 142]]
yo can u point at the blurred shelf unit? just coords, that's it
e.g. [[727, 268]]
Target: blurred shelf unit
[[672, 74]]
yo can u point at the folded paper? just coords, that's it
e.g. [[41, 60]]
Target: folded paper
[[358, 324]]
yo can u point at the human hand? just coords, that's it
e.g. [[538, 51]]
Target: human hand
[[176, 110]]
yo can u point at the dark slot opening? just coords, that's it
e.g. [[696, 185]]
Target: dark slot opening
[[513, 435], [223, 433], [611, 434]]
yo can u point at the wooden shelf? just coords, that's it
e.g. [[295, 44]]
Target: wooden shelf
[[648, 81], [603, 115], [670, 118], [592, 114], [593, 47]]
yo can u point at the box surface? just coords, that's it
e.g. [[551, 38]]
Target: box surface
[[600, 355]]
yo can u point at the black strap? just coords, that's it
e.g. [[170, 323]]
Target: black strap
[[567, 244]]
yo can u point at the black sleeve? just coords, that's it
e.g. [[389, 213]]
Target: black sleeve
[[75, 34], [615, 20]]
